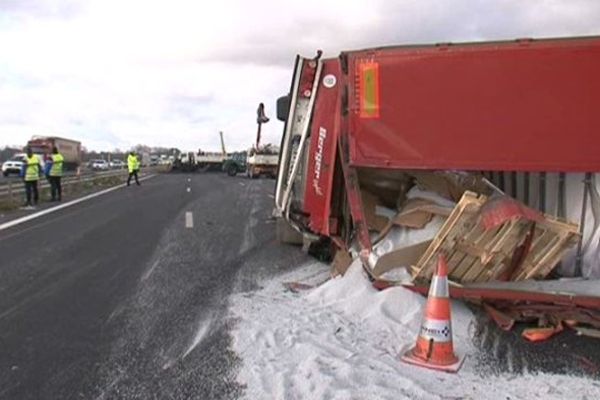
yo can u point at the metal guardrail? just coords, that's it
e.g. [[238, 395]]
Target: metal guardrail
[[66, 175], [12, 188]]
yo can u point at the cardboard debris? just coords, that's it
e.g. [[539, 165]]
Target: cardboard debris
[[403, 257], [391, 186], [413, 213], [341, 262], [417, 213], [374, 221]]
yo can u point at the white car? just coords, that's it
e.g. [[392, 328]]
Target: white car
[[117, 164], [100, 165], [14, 165]]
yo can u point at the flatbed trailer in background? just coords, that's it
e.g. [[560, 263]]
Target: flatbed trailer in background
[[210, 161]]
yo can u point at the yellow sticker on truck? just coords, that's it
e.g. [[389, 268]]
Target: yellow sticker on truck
[[368, 77]]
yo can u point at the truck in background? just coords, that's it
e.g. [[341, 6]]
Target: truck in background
[[209, 161], [236, 163], [70, 149], [253, 163], [259, 160], [154, 159], [200, 161], [263, 160], [212, 161]]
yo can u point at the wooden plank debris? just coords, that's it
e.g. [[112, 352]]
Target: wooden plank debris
[[477, 253]]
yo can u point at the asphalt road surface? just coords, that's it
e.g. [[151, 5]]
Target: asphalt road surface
[[125, 296]]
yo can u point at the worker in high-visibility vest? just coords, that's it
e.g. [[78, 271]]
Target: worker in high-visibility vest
[[55, 172], [133, 164], [31, 172]]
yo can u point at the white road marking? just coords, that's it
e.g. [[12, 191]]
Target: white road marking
[[242, 183], [189, 190], [189, 219], [189, 180], [47, 211]]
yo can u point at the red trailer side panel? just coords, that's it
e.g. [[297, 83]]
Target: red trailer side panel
[[523, 105]]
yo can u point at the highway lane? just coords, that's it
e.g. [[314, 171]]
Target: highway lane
[[121, 297]]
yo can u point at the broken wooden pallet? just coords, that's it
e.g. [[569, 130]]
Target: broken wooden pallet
[[480, 253]]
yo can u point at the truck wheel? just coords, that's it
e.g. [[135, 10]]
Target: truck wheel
[[232, 170], [5, 173]]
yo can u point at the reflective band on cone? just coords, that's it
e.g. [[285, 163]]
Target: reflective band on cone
[[439, 287], [434, 348]]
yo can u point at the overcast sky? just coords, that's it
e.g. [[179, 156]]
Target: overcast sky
[[115, 73]]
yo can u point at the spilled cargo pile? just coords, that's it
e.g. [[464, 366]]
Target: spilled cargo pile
[[501, 253], [340, 338]]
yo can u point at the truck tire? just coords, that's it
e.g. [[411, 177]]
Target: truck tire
[[232, 170], [5, 173], [286, 234]]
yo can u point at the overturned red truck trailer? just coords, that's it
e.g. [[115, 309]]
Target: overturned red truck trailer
[[523, 113]]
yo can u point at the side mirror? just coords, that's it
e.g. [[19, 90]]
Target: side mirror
[[283, 108]]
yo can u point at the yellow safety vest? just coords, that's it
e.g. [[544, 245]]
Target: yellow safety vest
[[32, 170], [57, 165], [132, 163]]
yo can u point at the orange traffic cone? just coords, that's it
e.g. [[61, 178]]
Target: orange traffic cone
[[434, 347]]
